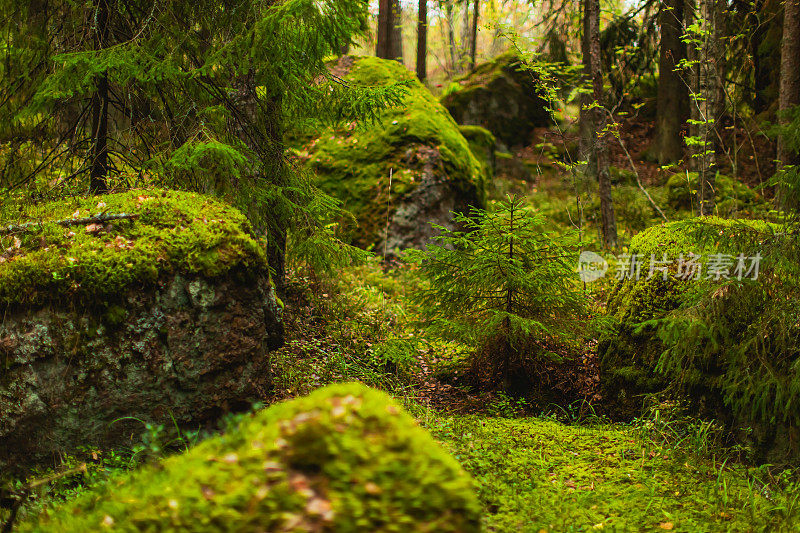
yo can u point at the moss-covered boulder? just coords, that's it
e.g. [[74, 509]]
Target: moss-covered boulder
[[433, 171], [501, 96], [732, 197], [345, 458], [483, 146], [732, 344], [165, 313]]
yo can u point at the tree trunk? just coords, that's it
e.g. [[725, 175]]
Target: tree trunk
[[673, 96], [422, 40], [451, 36], [596, 121], [98, 172], [390, 42], [473, 43], [790, 72]]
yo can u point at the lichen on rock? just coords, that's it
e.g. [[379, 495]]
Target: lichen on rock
[[165, 317], [345, 458], [416, 145]]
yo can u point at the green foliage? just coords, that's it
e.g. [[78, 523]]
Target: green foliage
[[502, 276], [344, 458], [787, 179], [732, 197], [198, 95], [173, 232]]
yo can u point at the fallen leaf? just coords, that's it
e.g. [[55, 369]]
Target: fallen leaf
[[665, 525]]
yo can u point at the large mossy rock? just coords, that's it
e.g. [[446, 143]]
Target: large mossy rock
[[502, 97], [731, 196], [345, 458], [433, 172], [166, 316], [731, 346]]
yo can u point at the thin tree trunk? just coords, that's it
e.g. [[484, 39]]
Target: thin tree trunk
[[98, 172], [673, 96], [706, 106], [390, 42], [598, 167], [422, 40], [451, 36], [790, 77], [474, 36]]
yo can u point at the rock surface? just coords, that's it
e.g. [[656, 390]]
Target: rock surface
[[186, 344], [502, 97], [345, 458], [416, 145]]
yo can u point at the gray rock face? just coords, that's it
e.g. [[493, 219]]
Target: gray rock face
[[182, 349], [430, 204]]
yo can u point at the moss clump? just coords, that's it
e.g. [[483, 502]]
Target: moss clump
[[482, 144], [345, 458], [173, 231], [353, 164], [732, 196]]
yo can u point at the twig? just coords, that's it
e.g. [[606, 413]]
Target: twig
[[99, 218], [636, 172]]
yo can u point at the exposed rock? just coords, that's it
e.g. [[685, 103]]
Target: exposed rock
[[417, 143], [184, 338], [345, 458], [501, 96]]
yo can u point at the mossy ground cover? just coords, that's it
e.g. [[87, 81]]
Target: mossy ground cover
[[345, 458], [171, 231], [538, 475], [354, 163]]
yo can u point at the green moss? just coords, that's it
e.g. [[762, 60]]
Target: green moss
[[345, 458], [732, 196], [540, 475], [633, 302], [174, 231], [482, 145], [354, 164]]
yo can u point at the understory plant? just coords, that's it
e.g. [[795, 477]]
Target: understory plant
[[503, 285]]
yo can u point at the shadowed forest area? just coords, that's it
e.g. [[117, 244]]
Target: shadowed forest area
[[451, 265]]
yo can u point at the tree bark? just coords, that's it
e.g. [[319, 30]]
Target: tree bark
[[451, 36], [98, 172], [673, 95], [596, 121], [790, 72], [422, 40], [390, 42], [473, 44]]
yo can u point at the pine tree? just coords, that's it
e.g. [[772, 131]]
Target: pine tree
[[189, 95], [501, 283]]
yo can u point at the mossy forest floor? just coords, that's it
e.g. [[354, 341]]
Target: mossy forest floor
[[538, 466]]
